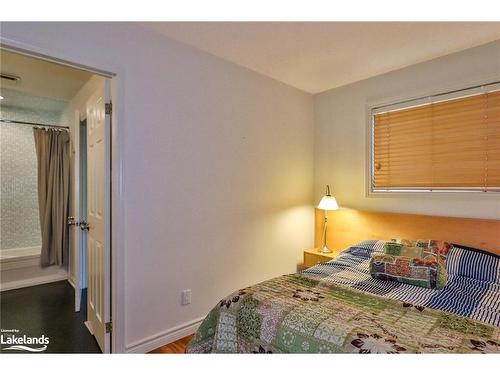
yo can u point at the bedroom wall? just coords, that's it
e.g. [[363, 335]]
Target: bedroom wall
[[217, 171], [341, 133]]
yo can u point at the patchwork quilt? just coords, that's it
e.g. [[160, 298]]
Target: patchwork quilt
[[336, 307]]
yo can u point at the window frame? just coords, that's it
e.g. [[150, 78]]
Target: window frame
[[399, 103]]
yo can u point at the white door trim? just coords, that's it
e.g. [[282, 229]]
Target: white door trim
[[114, 72]]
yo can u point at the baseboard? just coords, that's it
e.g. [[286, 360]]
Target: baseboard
[[32, 282], [164, 338], [20, 262]]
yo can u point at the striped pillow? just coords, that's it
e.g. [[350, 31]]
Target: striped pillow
[[473, 264]]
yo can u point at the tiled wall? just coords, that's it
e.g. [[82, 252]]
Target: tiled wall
[[19, 219]]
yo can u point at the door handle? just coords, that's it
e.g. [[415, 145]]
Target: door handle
[[84, 226], [71, 221]]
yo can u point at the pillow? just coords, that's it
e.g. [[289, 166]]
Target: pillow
[[426, 272], [475, 264], [427, 249]]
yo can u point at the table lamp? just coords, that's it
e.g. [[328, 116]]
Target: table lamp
[[327, 203]]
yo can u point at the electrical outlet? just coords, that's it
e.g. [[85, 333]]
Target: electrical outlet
[[186, 297]]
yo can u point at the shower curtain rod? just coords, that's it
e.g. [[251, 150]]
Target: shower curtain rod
[[32, 124]]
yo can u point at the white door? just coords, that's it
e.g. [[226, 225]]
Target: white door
[[98, 216]]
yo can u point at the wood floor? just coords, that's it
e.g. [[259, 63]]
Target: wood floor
[[176, 347], [48, 309]]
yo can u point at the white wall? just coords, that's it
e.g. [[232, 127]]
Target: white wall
[[217, 169], [341, 128]]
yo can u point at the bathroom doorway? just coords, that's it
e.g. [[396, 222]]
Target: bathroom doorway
[[43, 101]]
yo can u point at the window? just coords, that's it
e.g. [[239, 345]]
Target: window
[[428, 145]]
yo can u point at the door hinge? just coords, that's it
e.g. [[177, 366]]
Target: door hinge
[[109, 327], [108, 108]]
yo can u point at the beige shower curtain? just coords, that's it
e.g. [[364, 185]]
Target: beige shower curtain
[[52, 151]]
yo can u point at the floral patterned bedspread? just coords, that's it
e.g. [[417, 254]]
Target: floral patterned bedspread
[[297, 314], [310, 313]]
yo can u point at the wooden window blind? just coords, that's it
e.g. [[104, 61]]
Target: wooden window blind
[[449, 145]]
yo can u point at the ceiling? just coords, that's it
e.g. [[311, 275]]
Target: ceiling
[[41, 78], [317, 56]]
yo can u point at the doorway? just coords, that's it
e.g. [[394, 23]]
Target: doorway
[[85, 267]]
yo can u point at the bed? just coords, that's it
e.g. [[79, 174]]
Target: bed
[[337, 307]]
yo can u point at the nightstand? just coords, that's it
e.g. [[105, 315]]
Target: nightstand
[[313, 257]]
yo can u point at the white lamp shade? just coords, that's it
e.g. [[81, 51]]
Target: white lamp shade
[[328, 203]]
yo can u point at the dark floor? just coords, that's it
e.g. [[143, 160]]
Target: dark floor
[[48, 310]]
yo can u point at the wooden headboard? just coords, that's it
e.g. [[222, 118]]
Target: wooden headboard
[[347, 227]]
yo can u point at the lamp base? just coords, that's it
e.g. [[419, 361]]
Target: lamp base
[[325, 250]]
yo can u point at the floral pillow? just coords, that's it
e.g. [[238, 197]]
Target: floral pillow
[[415, 262], [426, 272], [426, 249]]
